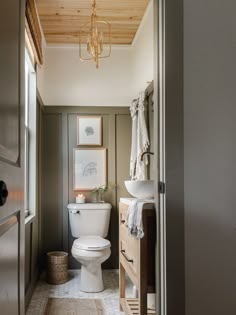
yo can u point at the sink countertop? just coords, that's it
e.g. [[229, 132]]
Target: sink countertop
[[150, 202]]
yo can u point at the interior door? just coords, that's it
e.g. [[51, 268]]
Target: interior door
[[12, 157]]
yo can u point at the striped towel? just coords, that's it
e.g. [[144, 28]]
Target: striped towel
[[134, 220]]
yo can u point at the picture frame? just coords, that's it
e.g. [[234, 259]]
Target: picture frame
[[89, 130], [89, 168]]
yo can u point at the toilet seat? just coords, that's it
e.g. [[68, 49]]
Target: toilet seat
[[91, 243]]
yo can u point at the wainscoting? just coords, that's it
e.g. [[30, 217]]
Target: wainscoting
[[59, 137], [32, 222]]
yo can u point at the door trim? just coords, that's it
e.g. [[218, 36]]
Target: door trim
[[159, 99]]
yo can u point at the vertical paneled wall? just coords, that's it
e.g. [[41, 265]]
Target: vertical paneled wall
[[52, 188], [59, 140], [32, 223]]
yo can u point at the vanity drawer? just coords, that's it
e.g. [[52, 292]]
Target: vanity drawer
[[129, 251]]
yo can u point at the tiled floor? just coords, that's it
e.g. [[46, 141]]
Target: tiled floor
[[70, 289]]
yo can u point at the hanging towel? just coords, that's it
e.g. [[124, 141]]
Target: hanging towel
[[140, 139], [133, 156], [134, 220]]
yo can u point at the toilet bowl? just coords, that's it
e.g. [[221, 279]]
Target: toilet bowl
[[91, 252], [89, 225]]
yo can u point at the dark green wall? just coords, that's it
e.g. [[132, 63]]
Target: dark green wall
[[32, 225], [59, 139]]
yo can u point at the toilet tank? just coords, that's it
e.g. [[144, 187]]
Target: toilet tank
[[89, 219]]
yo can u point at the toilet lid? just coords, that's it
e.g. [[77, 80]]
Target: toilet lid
[[91, 243]]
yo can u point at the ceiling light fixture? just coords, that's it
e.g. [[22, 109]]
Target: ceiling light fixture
[[97, 35]]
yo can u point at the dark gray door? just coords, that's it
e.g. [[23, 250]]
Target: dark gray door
[[12, 157], [210, 156]]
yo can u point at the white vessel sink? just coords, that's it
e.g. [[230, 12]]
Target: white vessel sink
[[142, 189]]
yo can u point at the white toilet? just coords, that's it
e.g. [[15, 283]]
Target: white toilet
[[89, 223]]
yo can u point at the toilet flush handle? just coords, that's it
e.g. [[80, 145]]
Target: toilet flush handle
[[74, 211]]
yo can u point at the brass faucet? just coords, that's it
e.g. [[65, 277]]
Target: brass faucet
[[146, 152]]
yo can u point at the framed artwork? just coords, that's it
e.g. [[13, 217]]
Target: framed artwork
[[89, 168], [89, 130]]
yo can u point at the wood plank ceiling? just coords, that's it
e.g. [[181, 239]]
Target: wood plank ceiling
[[62, 19]]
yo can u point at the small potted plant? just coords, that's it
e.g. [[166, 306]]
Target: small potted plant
[[101, 190], [98, 193]]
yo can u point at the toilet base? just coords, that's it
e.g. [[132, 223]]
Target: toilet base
[[91, 278], [91, 270]]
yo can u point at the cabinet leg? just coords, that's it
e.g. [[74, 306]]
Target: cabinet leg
[[121, 283], [143, 304]]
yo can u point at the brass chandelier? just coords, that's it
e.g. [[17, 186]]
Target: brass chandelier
[[97, 34]]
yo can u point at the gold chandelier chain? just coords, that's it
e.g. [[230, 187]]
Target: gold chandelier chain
[[94, 7]]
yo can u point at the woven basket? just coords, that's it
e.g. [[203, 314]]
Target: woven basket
[[57, 266]]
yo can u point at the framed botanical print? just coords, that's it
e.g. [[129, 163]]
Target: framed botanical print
[[89, 168], [89, 130]]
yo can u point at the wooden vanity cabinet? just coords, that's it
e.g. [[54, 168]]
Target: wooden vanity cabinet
[[137, 259]]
